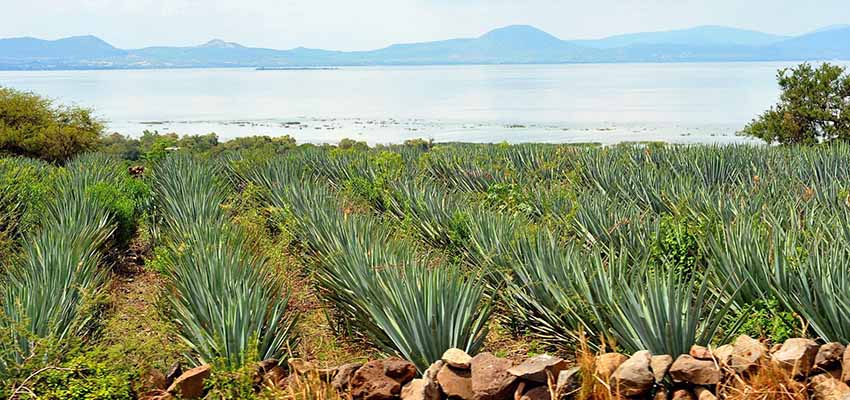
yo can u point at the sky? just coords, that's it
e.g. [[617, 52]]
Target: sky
[[369, 24]]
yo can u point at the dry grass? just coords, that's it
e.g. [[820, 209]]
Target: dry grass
[[769, 382], [592, 387], [308, 386]]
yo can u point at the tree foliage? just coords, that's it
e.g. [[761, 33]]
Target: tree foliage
[[814, 107], [33, 126]]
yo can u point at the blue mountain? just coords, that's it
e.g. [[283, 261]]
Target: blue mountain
[[701, 36], [511, 44], [77, 47]]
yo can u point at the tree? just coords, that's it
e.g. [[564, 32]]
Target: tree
[[33, 126], [121, 146], [814, 107]]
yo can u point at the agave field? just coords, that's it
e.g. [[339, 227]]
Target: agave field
[[412, 250]]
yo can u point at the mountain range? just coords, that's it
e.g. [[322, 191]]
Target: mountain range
[[517, 44]]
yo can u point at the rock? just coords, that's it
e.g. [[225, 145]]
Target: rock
[[381, 379], [687, 369], [704, 394], [421, 389], [634, 377], [538, 368], [682, 394], [659, 366], [797, 356], [746, 353], [457, 358], [266, 365], [723, 354], [825, 387], [537, 393], [154, 379], [173, 372], [606, 364], [829, 356], [456, 383], [701, 352], [568, 382], [190, 384], [490, 377], [400, 370], [343, 376], [845, 362], [274, 376], [431, 372], [660, 393], [425, 388]]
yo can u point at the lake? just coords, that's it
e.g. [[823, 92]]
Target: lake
[[608, 103]]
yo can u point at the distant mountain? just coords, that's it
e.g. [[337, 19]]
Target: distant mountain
[[512, 44], [700, 36], [77, 47], [825, 44]]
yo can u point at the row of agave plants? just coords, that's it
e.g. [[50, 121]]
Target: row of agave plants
[[228, 304], [384, 289], [60, 266], [642, 247]]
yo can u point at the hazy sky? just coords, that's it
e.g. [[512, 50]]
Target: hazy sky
[[367, 24]]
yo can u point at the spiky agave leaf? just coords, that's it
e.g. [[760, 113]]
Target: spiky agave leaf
[[424, 312], [656, 309], [59, 267], [821, 290], [225, 300], [544, 290], [190, 192]]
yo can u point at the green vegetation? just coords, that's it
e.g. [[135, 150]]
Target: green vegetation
[[33, 126], [232, 253], [227, 303], [814, 107]]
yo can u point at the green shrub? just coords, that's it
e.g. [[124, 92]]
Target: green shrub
[[85, 377], [767, 319], [677, 246], [24, 191], [34, 126]]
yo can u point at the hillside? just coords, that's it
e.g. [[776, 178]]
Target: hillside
[[517, 44]]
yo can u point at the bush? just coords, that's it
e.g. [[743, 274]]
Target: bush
[[24, 188], [33, 126], [814, 107], [120, 146]]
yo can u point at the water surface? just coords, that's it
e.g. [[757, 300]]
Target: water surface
[[608, 103]]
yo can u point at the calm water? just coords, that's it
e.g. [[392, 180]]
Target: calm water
[[559, 103]]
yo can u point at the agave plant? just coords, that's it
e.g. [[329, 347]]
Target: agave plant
[[58, 269], [225, 300], [657, 310], [750, 261], [190, 193], [436, 216], [820, 291], [614, 226], [424, 312], [543, 290]]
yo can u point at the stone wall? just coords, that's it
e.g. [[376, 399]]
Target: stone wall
[[800, 367]]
